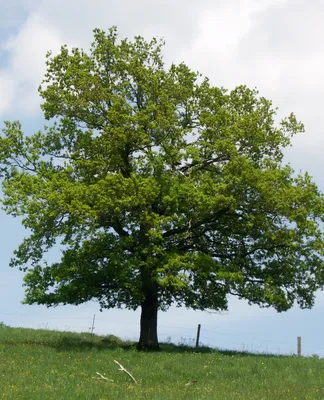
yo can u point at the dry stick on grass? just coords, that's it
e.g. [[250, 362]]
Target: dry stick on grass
[[103, 377], [191, 383], [125, 370]]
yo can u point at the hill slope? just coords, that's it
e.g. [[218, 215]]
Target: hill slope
[[41, 364]]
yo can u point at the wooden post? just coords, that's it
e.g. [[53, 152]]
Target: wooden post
[[198, 336], [93, 321], [299, 346]]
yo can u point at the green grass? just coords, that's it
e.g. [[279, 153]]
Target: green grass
[[41, 364]]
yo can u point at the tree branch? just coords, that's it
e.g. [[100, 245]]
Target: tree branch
[[203, 164], [205, 220], [117, 226]]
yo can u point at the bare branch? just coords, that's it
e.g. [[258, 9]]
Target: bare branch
[[203, 164], [207, 219], [103, 377], [125, 370]]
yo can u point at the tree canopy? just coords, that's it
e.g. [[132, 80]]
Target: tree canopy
[[159, 188]]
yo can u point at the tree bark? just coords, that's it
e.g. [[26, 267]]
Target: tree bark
[[148, 340]]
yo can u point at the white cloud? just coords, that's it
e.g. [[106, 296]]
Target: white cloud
[[272, 44], [53, 23], [7, 91], [26, 65], [275, 46]]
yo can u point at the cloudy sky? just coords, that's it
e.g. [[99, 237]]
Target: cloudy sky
[[274, 45]]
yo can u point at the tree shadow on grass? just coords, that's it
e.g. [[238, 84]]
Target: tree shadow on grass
[[112, 342], [75, 343]]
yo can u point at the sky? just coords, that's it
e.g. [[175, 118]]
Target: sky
[[274, 45]]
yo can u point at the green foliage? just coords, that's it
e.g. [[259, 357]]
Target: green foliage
[[157, 185], [37, 365]]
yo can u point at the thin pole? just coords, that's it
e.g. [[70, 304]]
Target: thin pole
[[299, 346], [198, 336], [93, 321]]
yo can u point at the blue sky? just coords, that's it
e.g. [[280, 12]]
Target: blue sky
[[274, 45]]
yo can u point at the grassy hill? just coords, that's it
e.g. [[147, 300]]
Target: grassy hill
[[41, 364]]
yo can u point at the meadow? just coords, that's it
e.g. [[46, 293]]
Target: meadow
[[43, 364]]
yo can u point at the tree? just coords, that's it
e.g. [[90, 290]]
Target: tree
[[159, 189]]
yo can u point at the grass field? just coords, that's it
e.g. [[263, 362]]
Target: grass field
[[43, 365]]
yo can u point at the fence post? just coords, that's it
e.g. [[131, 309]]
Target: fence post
[[299, 346], [93, 321], [198, 336]]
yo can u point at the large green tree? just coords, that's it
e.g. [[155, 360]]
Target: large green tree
[[159, 188]]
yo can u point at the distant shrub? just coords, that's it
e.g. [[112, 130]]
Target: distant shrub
[[112, 340], [186, 342]]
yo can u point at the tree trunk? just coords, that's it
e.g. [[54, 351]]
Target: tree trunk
[[148, 337], [148, 340]]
